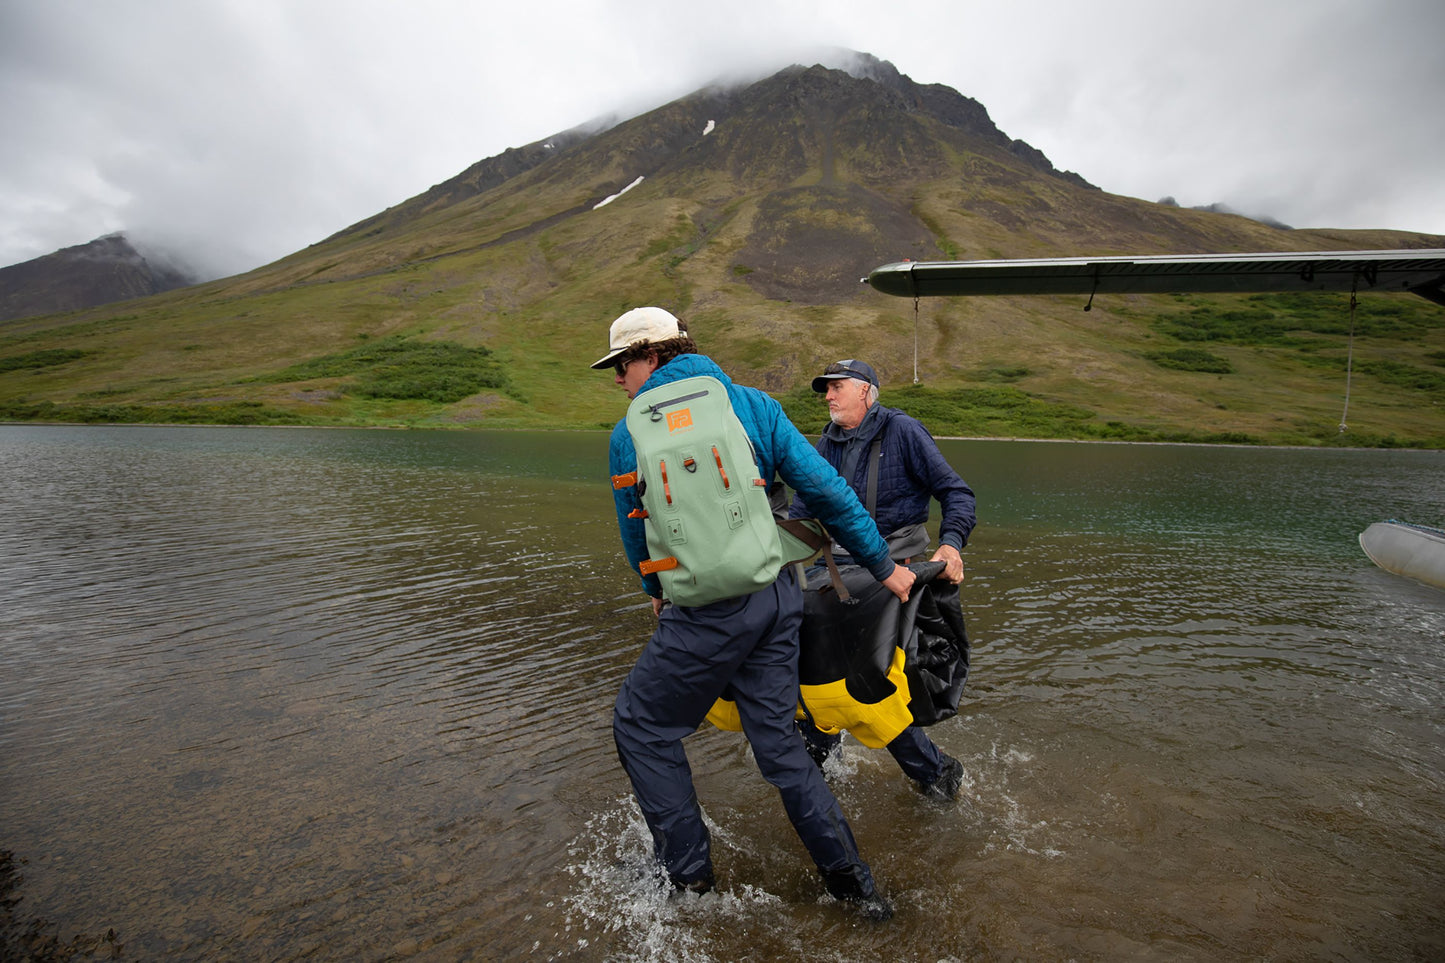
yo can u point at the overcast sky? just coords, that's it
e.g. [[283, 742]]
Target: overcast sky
[[238, 131]]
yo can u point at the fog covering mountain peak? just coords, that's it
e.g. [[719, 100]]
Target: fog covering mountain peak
[[109, 268]]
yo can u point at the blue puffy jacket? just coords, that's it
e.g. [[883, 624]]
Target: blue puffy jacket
[[911, 472], [781, 451]]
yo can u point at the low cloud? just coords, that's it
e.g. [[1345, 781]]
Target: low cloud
[[233, 133]]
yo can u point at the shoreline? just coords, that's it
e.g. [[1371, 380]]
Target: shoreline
[[460, 428]]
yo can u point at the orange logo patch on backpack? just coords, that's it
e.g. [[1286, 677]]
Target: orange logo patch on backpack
[[678, 420]]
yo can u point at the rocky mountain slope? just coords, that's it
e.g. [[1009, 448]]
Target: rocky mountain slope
[[105, 270], [752, 210]]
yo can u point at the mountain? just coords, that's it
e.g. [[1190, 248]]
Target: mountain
[[751, 209], [105, 270]]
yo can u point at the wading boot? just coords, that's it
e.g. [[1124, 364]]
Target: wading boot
[[855, 887], [700, 885], [821, 754], [945, 785]]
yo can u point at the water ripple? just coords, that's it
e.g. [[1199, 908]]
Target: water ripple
[[272, 694]]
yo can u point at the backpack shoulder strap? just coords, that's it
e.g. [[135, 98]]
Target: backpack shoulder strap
[[875, 456], [811, 533]]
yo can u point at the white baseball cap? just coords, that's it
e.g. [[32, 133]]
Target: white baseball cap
[[636, 327]]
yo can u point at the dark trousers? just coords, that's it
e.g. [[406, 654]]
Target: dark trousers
[[914, 752], [749, 647]]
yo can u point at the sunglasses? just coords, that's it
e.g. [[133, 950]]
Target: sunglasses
[[846, 368], [620, 365]]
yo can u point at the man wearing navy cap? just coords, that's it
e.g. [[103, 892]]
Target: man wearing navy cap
[[894, 465]]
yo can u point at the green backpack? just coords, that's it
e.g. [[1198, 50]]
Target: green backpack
[[710, 529]]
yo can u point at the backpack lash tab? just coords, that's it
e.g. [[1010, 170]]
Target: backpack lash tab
[[722, 472], [649, 566]]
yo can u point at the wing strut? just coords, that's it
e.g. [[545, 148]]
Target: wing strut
[[1349, 360]]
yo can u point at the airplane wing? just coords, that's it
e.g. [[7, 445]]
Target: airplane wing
[[1419, 272]]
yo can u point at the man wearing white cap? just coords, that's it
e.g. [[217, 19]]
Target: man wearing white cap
[[746, 646]]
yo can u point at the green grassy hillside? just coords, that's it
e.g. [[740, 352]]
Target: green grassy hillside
[[482, 301]]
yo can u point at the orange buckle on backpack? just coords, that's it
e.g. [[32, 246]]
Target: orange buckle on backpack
[[649, 566], [624, 481]]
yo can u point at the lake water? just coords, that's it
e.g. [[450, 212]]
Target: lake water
[[346, 695]]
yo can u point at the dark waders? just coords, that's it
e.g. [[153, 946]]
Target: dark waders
[[749, 647]]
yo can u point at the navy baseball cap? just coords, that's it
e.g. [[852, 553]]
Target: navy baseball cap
[[844, 369]]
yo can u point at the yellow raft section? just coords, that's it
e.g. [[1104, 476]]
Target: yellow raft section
[[832, 708]]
